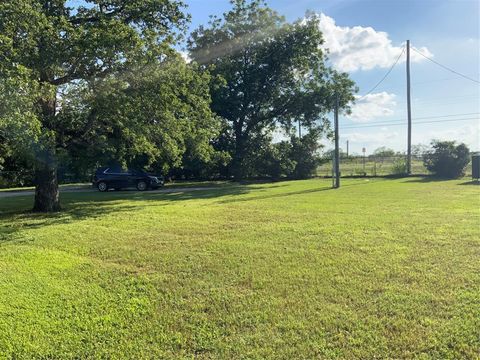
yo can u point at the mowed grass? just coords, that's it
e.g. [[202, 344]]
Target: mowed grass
[[290, 270]]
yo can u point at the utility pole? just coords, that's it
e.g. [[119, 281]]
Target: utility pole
[[337, 149], [409, 114], [347, 148]]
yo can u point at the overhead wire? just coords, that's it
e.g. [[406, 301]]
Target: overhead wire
[[446, 67], [419, 118], [384, 77], [403, 124]]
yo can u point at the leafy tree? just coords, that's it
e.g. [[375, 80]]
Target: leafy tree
[[306, 154], [296, 158], [447, 159], [419, 149], [153, 117], [399, 166], [330, 154], [275, 73], [384, 152], [269, 160], [55, 44], [19, 129]]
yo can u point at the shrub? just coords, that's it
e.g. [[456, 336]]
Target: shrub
[[305, 154], [447, 159], [399, 166], [269, 160]]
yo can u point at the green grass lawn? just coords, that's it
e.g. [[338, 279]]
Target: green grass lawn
[[289, 270]]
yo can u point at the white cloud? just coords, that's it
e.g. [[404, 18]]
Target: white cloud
[[468, 134], [373, 106], [362, 48], [380, 137]]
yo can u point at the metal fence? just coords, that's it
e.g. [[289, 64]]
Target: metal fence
[[25, 177], [376, 166]]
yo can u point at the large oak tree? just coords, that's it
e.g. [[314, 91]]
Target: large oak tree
[[275, 73], [54, 45], [151, 117]]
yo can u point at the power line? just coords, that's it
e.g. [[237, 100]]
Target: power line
[[384, 77], [416, 122], [434, 80], [441, 98], [396, 87], [445, 67], [420, 118], [436, 104]]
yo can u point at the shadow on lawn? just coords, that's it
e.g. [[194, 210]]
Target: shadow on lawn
[[273, 196], [430, 179], [87, 205], [471, 182], [285, 194], [15, 216], [426, 179]]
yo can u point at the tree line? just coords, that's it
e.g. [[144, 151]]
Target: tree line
[[101, 82]]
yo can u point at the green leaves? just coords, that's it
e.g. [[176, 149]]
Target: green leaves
[[152, 116], [275, 73], [61, 44], [447, 159]]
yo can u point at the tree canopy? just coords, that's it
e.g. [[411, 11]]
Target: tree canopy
[[101, 82], [55, 45], [447, 159], [275, 73]]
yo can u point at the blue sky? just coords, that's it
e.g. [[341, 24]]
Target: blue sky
[[446, 30]]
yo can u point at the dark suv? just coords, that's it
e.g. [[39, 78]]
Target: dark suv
[[114, 178]]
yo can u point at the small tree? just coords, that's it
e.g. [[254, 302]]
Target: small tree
[[384, 152], [447, 159], [419, 149], [306, 154]]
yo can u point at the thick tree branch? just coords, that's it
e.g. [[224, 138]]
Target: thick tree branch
[[95, 19]]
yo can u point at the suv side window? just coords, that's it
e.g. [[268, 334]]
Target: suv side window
[[117, 171]]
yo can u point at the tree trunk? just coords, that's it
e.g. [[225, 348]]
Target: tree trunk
[[46, 188], [238, 158], [46, 183]]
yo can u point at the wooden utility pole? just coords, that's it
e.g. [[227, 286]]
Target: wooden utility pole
[[409, 114], [337, 149], [347, 148]]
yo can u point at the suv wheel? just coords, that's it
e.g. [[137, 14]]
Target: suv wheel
[[142, 186], [102, 186]]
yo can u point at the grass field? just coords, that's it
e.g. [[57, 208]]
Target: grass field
[[289, 270], [381, 166]]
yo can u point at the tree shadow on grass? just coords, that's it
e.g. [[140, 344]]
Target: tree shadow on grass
[[16, 217], [430, 179], [292, 193], [273, 196], [471, 182], [427, 179]]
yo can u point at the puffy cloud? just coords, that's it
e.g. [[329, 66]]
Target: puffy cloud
[[467, 133], [373, 106], [362, 48]]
